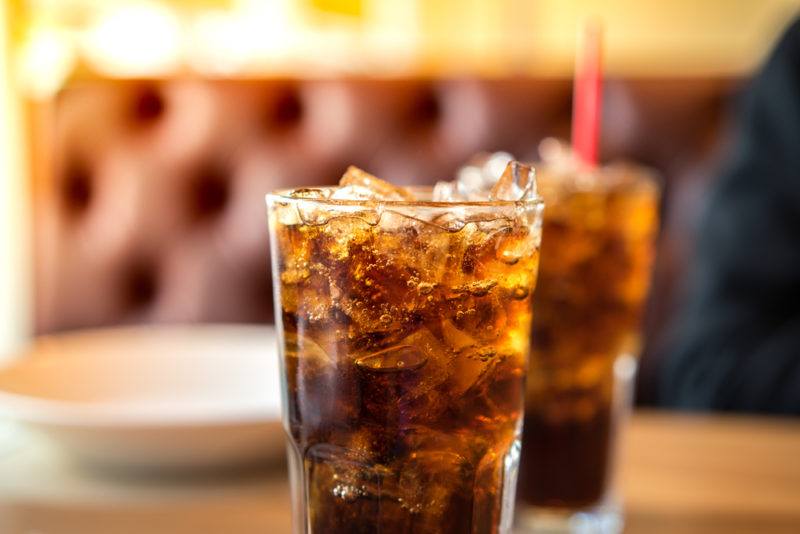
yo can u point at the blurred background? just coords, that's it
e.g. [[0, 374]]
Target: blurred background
[[137, 138], [137, 141]]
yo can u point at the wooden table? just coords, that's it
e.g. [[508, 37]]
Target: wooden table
[[680, 474]]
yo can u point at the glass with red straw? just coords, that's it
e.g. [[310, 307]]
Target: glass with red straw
[[597, 248]]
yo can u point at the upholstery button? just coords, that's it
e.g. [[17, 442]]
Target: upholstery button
[[140, 284], [425, 109], [285, 111], [76, 191], [148, 105], [209, 192]]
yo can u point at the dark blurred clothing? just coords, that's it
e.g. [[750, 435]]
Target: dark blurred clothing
[[737, 343]]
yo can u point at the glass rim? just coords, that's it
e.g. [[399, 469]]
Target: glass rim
[[602, 176], [284, 196]]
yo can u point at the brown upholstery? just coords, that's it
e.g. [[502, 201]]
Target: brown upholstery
[[149, 194]]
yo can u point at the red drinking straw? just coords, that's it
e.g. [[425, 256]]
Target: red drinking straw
[[587, 95]]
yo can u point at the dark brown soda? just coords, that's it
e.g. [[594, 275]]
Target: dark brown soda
[[565, 465]]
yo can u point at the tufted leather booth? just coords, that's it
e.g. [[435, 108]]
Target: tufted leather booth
[[149, 193]]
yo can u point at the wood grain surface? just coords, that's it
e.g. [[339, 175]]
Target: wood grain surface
[[679, 474]]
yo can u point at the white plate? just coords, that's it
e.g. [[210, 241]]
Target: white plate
[[152, 397]]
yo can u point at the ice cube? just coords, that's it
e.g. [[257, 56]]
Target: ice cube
[[470, 360], [474, 180], [452, 221], [390, 380], [518, 182], [313, 213], [470, 183], [470, 367], [495, 165], [310, 193], [446, 192], [419, 396], [300, 346], [286, 214], [342, 480], [353, 192], [402, 358], [458, 340], [363, 183], [434, 486], [321, 391], [478, 288]]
